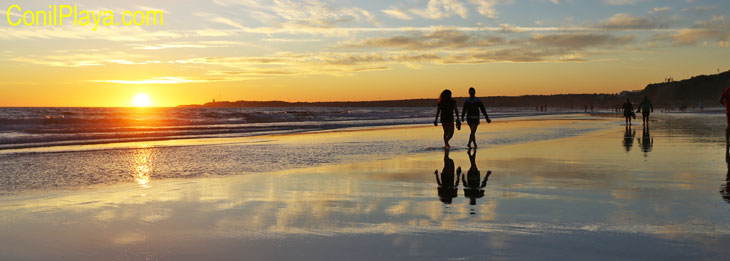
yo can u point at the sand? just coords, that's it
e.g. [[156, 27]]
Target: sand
[[573, 187]]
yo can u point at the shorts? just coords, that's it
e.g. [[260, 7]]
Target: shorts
[[447, 119], [472, 121]]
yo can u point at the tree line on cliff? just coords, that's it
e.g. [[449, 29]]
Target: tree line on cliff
[[692, 92]]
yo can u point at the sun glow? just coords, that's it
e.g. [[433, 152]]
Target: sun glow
[[142, 100], [143, 169]]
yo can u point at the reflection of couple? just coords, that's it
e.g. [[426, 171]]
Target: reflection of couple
[[448, 184], [646, 141], [473, 189], [629, 138], [725, 189]]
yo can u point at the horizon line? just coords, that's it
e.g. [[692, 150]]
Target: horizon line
[[314, 102]]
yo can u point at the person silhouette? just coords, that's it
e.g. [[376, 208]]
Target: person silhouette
[[646, 142], [645, 107], [472, 107], [725, 188], [447, 108], [629, 138], [628, 111], [448, 185], [725, 100], [473, 189]]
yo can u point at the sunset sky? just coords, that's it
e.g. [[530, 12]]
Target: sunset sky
[[325, 50]]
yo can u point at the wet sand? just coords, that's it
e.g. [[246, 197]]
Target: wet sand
[[597, 192]]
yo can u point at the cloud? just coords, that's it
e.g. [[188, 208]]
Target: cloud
[[620, 2], [81, 59], [626, 21], [429, 40], [292, 40], [450, 39], [307, 13], [658, 10], [487, 7], [580, 41], [440, 9], [226, 21], [236, 61], [116, 34], [467, 56], [210, 32], [455, 47], [288, 64], [248, 3], [397, 13], [198, 45], [699, 9], [5, 13], [252, 72], [348, 31], [518, 55], [157, 80], [506, 28], [716, 29], [148, 8]]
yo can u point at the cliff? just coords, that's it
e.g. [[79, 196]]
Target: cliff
[[684, 93]]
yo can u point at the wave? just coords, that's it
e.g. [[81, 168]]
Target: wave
[[39, 127]]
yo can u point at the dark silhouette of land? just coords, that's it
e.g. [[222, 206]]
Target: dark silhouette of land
[[697, 91]]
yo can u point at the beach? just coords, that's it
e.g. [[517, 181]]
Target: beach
[[569, 186]]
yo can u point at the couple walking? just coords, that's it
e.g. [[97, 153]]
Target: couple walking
[[645, 107], [447, 109]]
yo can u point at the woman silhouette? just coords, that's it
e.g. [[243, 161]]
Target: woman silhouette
[[628, 111], [447, 109]]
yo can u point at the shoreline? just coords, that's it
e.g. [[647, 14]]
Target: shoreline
[[121, 144]]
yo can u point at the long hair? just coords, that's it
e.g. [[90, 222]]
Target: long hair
[[445, 96]]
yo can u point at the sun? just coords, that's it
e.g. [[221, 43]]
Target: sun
[[141, 100]]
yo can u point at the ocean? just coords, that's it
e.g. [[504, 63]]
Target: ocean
[[44, 127]]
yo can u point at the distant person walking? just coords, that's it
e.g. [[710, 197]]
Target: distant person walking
[[472, 107], [447, 108], [645, 107], [628, 111], [725, 100]]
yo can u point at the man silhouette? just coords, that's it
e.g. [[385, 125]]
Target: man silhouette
[[724, 101]]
